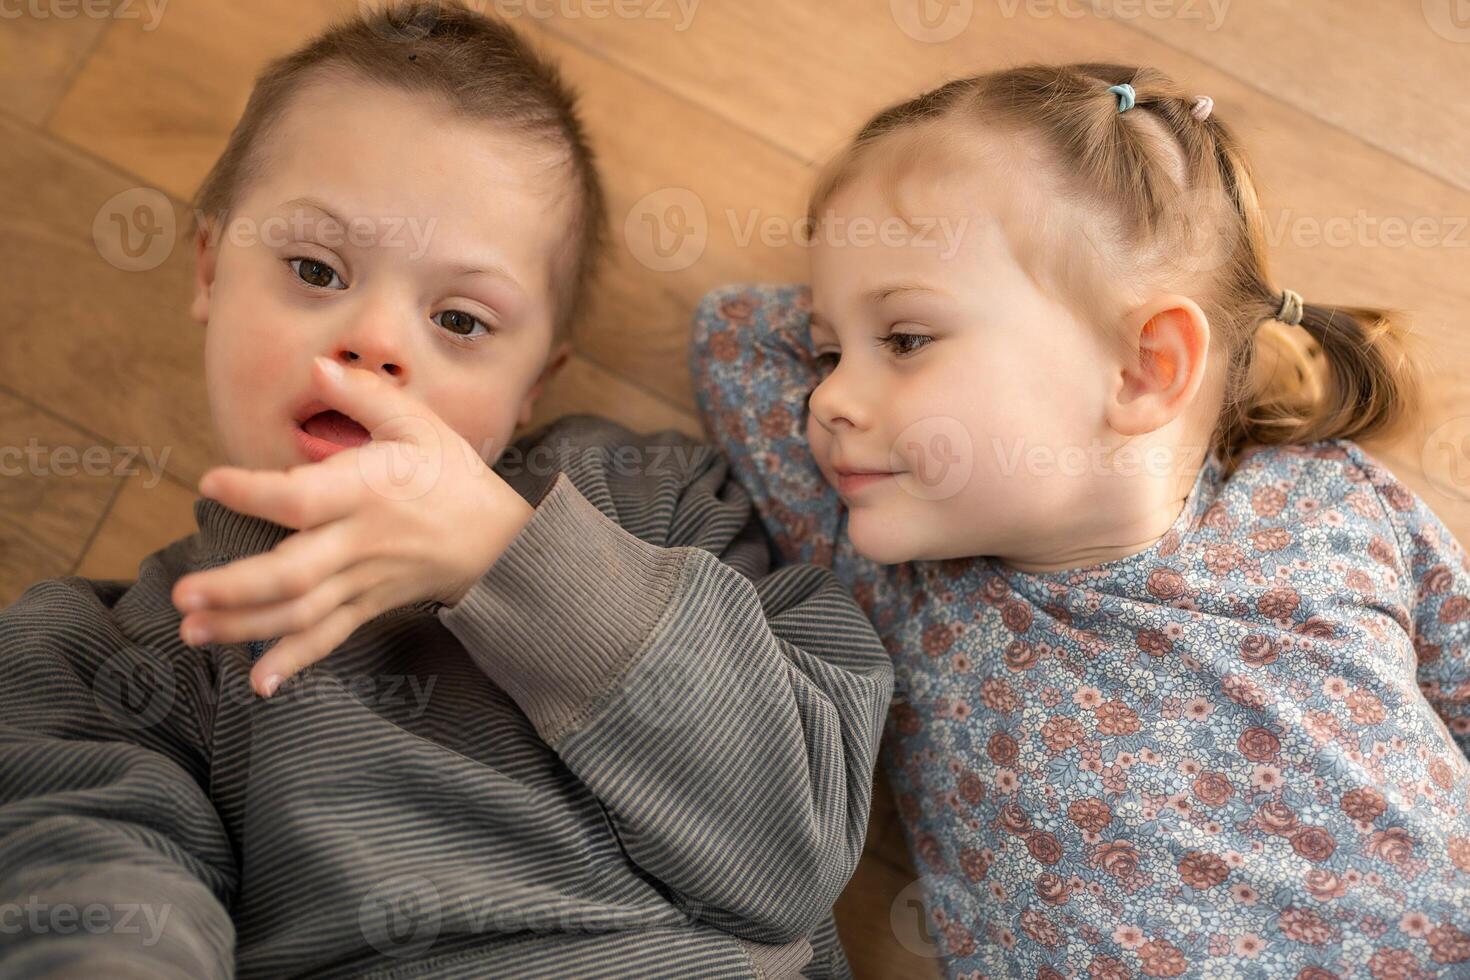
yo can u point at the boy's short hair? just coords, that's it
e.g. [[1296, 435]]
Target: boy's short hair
[[477, 66]]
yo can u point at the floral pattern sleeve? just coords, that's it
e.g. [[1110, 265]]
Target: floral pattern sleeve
[[1436, 579], [751, 360]]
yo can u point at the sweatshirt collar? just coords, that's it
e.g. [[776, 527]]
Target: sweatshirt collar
[[225, 534]]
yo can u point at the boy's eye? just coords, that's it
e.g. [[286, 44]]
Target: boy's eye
[[826, 362], [458, 322], [315, 273], [905, 343]]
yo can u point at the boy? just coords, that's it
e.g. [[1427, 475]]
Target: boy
[[551, 718]]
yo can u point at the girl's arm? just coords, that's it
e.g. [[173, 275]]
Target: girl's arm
[[1438, 585], [751, 360]]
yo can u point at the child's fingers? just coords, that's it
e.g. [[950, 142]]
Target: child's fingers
[[292, 568], [304, 496], [277, 618], [300, 650]]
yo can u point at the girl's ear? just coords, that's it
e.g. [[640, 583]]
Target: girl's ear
[[205, 254], [554, 363], [1173, 354]]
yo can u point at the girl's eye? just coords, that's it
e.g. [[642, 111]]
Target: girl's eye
[[905, 343], [315, 273], [459, 323], [826, 362]]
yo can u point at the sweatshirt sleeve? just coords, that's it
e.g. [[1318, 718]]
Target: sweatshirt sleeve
[[751, 361], [113, 860], [726, 717], [1436, 583]]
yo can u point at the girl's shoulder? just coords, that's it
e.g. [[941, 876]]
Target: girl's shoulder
[[1338, 485]]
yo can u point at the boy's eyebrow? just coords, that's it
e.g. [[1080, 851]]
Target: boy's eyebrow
[[479, 269], [316, 205]]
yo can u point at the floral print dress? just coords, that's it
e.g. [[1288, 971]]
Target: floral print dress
[[1238, 753]]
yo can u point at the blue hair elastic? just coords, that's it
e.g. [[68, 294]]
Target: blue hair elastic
[[1127, 98]]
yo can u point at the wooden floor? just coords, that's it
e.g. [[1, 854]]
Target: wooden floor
[[1356, 112]]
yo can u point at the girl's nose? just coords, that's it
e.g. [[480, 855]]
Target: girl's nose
[[836, 401]]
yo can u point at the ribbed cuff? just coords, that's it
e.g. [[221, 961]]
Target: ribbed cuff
[[557, 620]]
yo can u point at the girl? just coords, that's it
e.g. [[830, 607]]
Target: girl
[[1175, 658]]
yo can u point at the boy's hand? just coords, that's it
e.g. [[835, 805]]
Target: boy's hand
[[415, 513]]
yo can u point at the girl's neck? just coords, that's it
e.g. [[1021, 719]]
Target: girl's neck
[[1114, 517]]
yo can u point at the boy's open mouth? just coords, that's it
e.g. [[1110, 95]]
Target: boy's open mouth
[[333, 426]]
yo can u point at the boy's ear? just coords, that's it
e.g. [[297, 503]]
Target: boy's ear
[[205, 254], [1173, 354], [554, 363]]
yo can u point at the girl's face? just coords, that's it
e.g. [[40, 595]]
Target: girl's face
[[392, 236], [980, 396]]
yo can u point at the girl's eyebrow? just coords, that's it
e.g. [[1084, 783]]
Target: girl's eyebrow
[[878, 295]]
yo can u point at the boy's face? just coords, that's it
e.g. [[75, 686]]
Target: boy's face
[[391, 236]]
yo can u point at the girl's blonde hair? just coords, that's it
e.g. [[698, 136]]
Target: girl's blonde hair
[[1155, 195]]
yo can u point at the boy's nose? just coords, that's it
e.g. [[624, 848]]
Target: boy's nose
[[351, 358]]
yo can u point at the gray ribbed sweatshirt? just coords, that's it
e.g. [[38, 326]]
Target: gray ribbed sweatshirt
[[631, 750]]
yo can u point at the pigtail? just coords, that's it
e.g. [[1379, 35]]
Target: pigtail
[[1347, 372]]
